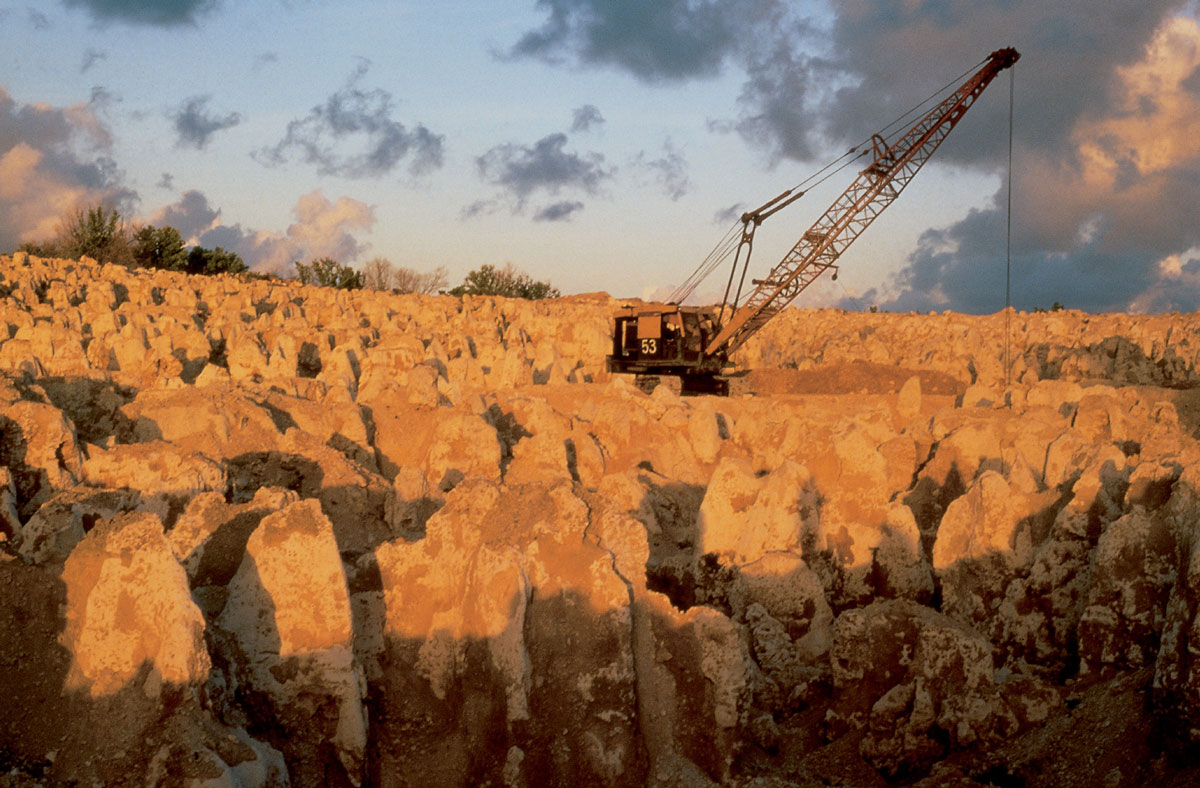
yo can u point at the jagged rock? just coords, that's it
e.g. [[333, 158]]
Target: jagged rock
[[745, 516], [220, 423], [128, 607], [452, 645], [1134, 568], [39, 447], [289, 628], [154, 467], [65, 518], [10, 520], [209, 539], [448, 445], [654, 578], [908, 403], [783, 604], [918, 682]]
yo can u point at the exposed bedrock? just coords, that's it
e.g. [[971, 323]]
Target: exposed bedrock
[[261, 534]]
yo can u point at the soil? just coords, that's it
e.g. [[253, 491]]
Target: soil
[[856, 377]]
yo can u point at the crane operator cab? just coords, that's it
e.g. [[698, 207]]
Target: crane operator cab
[[665, 339]]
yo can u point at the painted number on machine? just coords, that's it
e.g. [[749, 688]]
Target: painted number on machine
[[649, 346]]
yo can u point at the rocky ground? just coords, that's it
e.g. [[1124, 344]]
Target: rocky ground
[[262, 534]]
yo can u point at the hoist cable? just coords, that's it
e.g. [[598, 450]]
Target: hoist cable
[[1008, 238], [730, 241]]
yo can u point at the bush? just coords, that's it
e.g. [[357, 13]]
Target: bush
[[380, 274], [406, 280], [95, 232], [213, 261], [508, 283], [328, 272]]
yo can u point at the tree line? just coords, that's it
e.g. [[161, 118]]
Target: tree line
[[103, 235]]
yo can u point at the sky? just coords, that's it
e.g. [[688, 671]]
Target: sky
[[608, 145]]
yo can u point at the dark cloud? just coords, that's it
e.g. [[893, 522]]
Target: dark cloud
[[545, 167], [775, 115], [1192, 81], [37, 19], [586, 118], [265, 59], [729, 215], [558, 212], [669, 170], [53, 159], [191, 215], [102, 98], [167, 181], [196, 126], [664, 40], [164, 13], [91, 58], [353, 115]]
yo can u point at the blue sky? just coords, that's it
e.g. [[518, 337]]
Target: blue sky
[[605, 144]]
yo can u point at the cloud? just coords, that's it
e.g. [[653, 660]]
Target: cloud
[[196, 126], [322, 229], [729, 215], [669, 170], [558, 212], [91, 58], [191, 216], [585, 118], [37, 19], [665, 40], [52, 161], [1100, 201], [162, 13], [1107, 109], [545, 167], [362, 119]]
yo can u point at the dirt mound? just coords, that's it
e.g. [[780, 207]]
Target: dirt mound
[[855, 377]]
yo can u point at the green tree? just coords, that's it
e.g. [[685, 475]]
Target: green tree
[[159, 247], [507, 282], [213, 261], [327, 272], [95, 232]]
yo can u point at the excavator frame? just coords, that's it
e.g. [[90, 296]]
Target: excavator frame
[[695, 343]]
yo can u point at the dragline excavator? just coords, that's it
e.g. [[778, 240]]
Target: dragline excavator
[[695, 343]]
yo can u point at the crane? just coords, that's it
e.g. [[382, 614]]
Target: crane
[[695, 343]]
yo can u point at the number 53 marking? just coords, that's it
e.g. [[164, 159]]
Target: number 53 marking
[[649, 345]]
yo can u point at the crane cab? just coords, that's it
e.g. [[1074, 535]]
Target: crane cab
[[665, 339]]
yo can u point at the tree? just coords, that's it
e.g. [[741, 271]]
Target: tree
[[509, 283], [95, 232], [159, 247], [406, 280], [213, 261], [328, 272], [378, 274]]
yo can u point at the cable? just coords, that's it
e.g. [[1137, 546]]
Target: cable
[[729, 242], [1012, 78]]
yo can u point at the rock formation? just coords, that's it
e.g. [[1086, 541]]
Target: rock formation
[[261, 534]]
